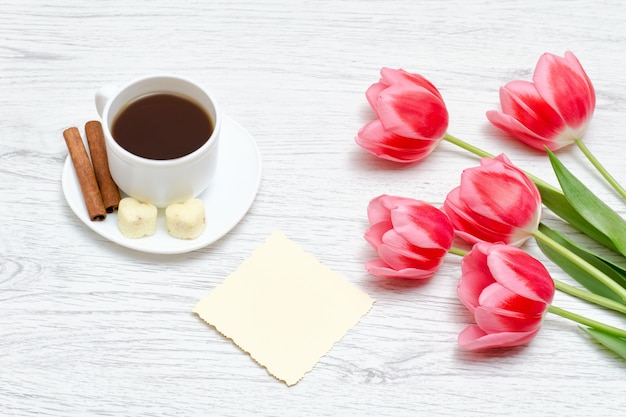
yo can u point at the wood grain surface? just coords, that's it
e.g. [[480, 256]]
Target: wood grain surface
[[88, 328]]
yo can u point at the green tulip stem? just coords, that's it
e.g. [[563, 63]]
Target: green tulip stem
[[581, 263], [589, 296], [457, 251], [571, 290], [587, 322], [608, 177], [477, 151], [468, 147]]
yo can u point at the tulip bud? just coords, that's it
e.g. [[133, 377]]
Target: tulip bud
[[553, 110], [496, 202], [507, 291], [411, 237], [411, 117]]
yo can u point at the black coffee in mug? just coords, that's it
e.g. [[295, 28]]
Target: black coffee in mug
[[162, 126]]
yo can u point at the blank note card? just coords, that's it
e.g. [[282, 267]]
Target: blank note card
[[284, 308]]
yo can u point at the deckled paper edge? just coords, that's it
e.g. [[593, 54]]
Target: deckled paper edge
[[290, 382]]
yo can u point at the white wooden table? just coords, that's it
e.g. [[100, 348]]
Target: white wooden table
[[90, 328]]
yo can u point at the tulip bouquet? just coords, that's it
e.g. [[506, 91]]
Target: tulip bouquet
[[497, 207]]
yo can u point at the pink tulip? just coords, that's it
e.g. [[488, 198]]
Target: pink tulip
[[411, 117], [496, 202], [507, 291], [411, 237], [553, 110]]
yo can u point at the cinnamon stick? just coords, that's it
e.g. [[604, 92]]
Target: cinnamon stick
[[85, 174], [108, 189]]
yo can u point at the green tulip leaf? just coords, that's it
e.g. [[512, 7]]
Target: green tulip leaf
[[556, 201], [590, 207], [618, 269], [613, 343], [584, 278]]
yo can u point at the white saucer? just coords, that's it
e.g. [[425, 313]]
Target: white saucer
[[226, 201]]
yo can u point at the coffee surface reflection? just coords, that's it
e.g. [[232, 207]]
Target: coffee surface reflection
[[162, 126]]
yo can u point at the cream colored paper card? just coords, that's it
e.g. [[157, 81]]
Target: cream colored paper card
[[284, 308]]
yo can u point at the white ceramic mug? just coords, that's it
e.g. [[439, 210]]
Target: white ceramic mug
[[159, 182]]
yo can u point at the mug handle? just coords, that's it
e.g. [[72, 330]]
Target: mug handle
[[103, 95]]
